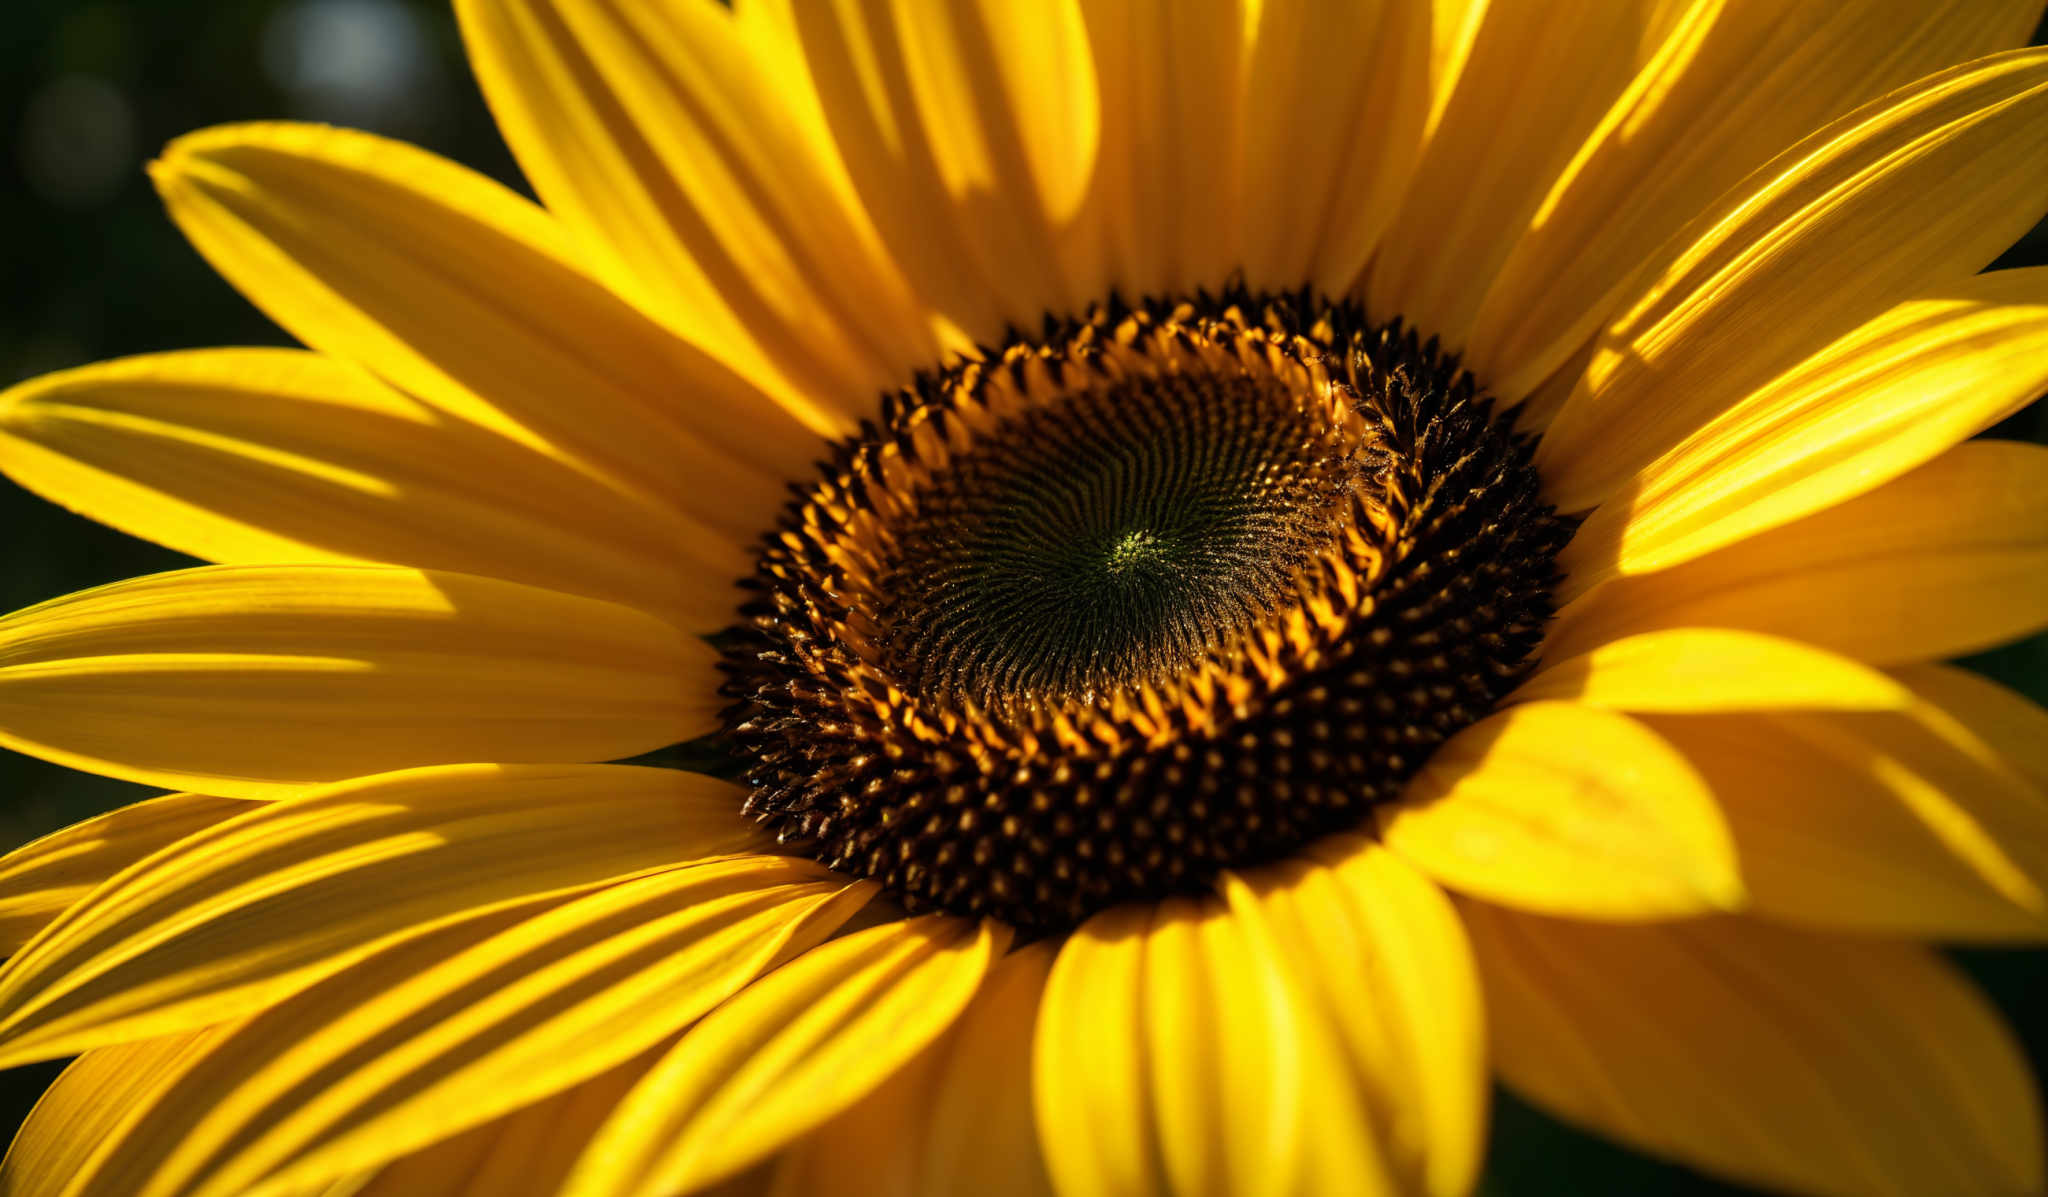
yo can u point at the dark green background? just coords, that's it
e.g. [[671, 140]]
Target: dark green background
[[88, 91]]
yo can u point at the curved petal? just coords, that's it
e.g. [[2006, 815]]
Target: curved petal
[[2009, 724], [699, 175], [1707, 669], [789, 1053], [43, 878], [257, 682], [1731, 87], [229, 919], [376, 1062], [957, 1120], [1569, 810], [253, 456], [970, 129], [1866, 825], [91, 1104], [458, 292], [1929, 183], [1948, 560], [1889, 397], [1175, 1055], [1534, 82], [1819, 1064], [1378, 950]]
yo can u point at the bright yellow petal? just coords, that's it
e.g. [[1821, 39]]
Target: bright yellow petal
[[42, 878], [1948, 560], [1735, 84], [1534, 84], [374, 1063], [1177, 1054], [970, 129], [529, 1150], [1569, 810], [1924, 186], [1710, 669], [92, 1103], [957, 1120], [2003, 721], [789, 1053], [256, 682], [251, 456], [1318, 193], [1865, 824], [700, 179], [1889, 397], [1384, 959], [1811, 1063], [231, 918], [458, 292]]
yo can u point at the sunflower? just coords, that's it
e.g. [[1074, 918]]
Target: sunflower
[[1090, 598]]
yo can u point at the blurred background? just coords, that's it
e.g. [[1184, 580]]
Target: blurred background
[[90, 89]]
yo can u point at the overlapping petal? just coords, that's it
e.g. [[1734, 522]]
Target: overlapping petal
[[1707, 669], [255, 682], [1822, 1064], [787, 1055], [1923, 186], [1567, 809], [1949, 559], [252, 456], [378, 1061], [237, 916]]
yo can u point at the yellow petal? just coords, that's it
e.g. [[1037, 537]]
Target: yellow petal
[[1568, 810], [374, 1063], [1735, 84], [460, 293], [1948, 560], [1794, 1061], [1384, 958], [1533, 85], [1170, 76], [42, 878], [1319, 192], [1866, 824], [1712, 669], [970, 129], [529, 1150], [1178, 1054], [239, 915], [700, 179], [2007, 723], [786, 1055], [1885, 399], [956, 1120], [254, 682], [91, 1104], [1925, 185], [251, 456]]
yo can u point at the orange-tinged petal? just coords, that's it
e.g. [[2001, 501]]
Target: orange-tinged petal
[[42, 878], [374, 1063], [253, 456], [789, 1053], [1712, 669], [1812, 1063], [460, 293], [256, 682], [1570, 810], [1925, 185], [2007, 723], [1950, 559], [1733, 86], [237, 916]]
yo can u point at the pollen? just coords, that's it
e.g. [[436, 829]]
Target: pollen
[[1172, 588]]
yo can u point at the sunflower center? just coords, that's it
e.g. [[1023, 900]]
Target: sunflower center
[[1172, 590]]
